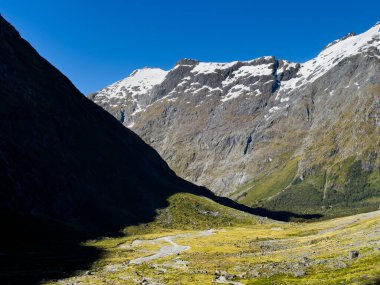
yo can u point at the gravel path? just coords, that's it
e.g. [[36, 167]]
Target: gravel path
[[171, 249]]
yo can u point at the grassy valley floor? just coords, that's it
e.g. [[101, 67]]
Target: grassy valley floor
[[257, 251]]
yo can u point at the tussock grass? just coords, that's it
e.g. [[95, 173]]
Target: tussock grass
[[256, 250]]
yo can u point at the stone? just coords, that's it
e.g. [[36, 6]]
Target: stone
[[299, 273], [223, 275], [353, 254]]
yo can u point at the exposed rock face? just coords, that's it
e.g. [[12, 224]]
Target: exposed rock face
[[198, 98], [264, 130]]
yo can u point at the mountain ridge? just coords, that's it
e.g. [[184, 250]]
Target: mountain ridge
[[207, 120]]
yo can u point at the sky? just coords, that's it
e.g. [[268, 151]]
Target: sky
[[98, 42]]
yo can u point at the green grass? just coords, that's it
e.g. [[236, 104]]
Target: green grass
[[347, 187], [190, 212], [271, 248], [270, 185]]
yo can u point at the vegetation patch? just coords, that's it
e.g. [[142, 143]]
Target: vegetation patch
[[264, 252], [270, 185]]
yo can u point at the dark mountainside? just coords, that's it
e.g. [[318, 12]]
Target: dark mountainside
[[69, 171]]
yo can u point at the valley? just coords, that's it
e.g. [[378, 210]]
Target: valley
[[250, 172], [257, 251]]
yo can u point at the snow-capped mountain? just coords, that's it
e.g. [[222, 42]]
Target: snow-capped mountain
[[131, 93], [233, 126]]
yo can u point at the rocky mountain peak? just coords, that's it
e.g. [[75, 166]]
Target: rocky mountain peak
[[230, 80], [223, 125], [351, 34], [146, 75], [366, 44], [187, 61]]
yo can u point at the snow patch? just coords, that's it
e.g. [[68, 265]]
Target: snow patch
[[140, 82], [211, 67], [247, 71], [235, 92], [286, 99], [332, 55]]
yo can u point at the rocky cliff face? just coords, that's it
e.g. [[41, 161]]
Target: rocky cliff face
[[266, 131]]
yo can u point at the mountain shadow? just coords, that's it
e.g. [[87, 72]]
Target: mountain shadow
[[69, 171]]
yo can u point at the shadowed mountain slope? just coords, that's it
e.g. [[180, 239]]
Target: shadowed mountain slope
[[69, 171]]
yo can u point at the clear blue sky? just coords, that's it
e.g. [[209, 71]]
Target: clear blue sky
[[97, 42]]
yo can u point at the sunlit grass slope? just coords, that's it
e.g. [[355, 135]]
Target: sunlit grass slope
[[241, 249]]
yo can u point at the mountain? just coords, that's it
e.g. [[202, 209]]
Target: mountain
[[69, 172], [64, 157], [266, 132]]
